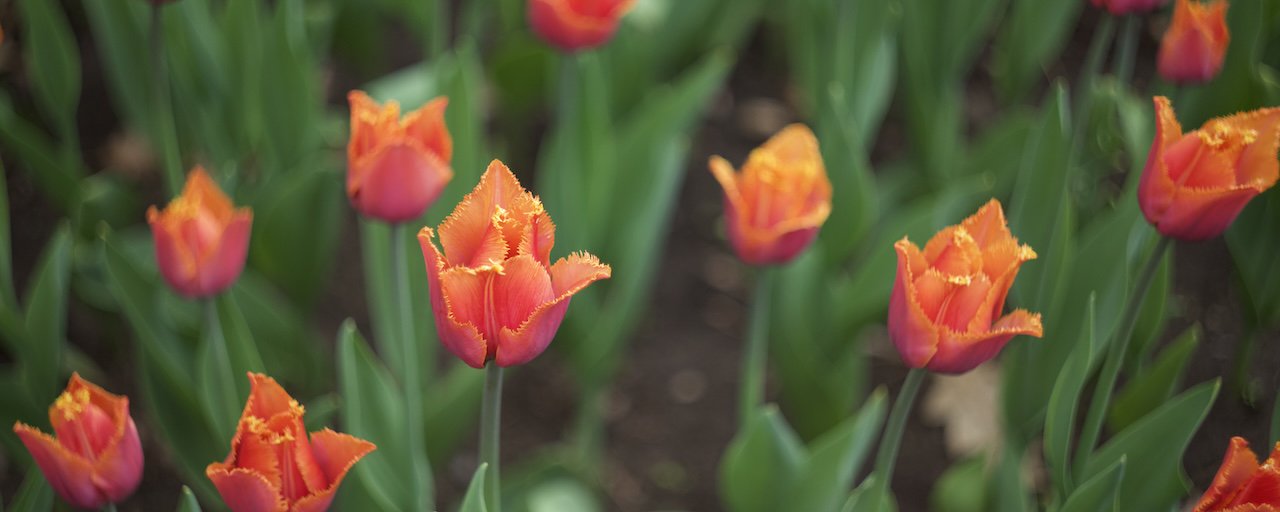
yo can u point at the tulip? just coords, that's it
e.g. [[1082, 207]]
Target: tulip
[[272, 466], [201, 239], [95, 458], [945, 310], [774, 207], [494, 292], [572, 25], [1195, 184], [1241, 484], [396, 168], [1122, 7], [1195, 43]]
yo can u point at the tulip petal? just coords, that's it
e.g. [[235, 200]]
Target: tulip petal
[[568, 276], [911, 330], [70, 475], [426, 126], [988, 226], [244, 490], [1257, 166], [1263, 488], [538, 238], [176, 261], [570, 27], [370, 123], [522, 287], [118, 470], [469, 235], [1238, 466], [267, 398], [959, 353], [461, 339], [397, 182], [335, 454], [222, 266]]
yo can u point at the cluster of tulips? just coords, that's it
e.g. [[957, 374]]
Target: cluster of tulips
[[498, 298]]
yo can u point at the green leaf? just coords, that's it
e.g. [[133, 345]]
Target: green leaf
[[825, 478], [296, 230], [865, 498], [1060, 420], [452, 410], [562, 495], [46, 319], [761, 462], [58, 178], [34, 495], [1029, 36], [240, 341], [187, 501], [120, 35], [371, 410], [1151, 388], [473, 500], [8, 291], [962, 488], [53, 61], [1098, 493], [1154, 446], [1251, 238]]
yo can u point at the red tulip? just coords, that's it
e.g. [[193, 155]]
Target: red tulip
[[1241, 484], [201, 239], [272, 466], [396, 168], [945, 310], [494, 292], [775, 206], [1195, 184], [96, 457], [1195, 43], [572, 25], [1122, 7]]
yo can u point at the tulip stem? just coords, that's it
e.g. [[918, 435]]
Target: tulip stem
[[1103, 34], [412, 365], [887, 457], [755, 359], [1128, 49], [164, 133], [229, 409], [490, 423], [1116, 351]]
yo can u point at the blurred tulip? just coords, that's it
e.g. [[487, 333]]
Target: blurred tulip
[[494, 293], [396, 168], [1122, 7], [96, 457], [272, 466], [1195, 184], [775, 206], [1195, 43], [945, 310], [572, 25], [1242, 485], [201, 238]]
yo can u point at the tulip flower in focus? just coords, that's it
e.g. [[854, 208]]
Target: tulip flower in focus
[[573, 25], [1122, 7], [945, 310], [1196, 42], [272, 466], [1195, 184], [201, 238], [396, 168], [94, 457], [1241, 484], [494, 291], [774, 207]]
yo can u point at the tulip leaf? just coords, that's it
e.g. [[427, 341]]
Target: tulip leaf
[[53, 60], [371, 410], [46, 318], [216, 381], [291, 95], [473, 500], [1150, 388], [187, 501], [1154, 447], [58, 178], [296, 230], [1254, 242], [240, 340], [763, 460], [962, 487], [835, 458], [271, 316], [1060, 420], [452, 410], [854, 201], [866, 498], [1028, 37], [1098, 493], [34, 495], [8, 291], [120, 35]]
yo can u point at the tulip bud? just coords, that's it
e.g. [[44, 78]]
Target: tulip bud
[[494, 292], [1241, 484], [1195, 43], [573, 25], [396, 168], [1123, 7], [95, 458], [201, 239], [945, 313], [1195, 184]]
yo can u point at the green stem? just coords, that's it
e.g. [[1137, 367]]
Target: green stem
[[1119, 346], [438, 10], [887, 457], [422, 483], [1128, 49], [588, 429], [1240, 364], [164, 133], [1103, 34], [755, 358], [490, 424], [229, 409]]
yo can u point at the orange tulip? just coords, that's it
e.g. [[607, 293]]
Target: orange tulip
[[1241, 485], [396, 168], [272, 466], [945, 310], [572, 25], [774, 207], [201, 238], [96, 457], [1195, 43], [1122, 7], [494, 291], [1195, 184]]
